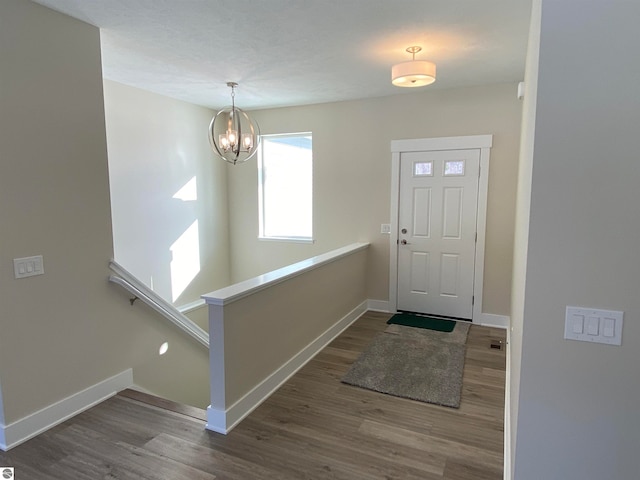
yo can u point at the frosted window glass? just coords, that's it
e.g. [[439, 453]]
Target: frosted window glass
[[454, 167], [421, 169]]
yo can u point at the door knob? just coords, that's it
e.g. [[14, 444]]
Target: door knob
[[404, 242], [404, 230]]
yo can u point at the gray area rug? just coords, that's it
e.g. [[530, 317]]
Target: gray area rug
[[414, 363]]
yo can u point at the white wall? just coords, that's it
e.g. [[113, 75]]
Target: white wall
[[54, 194], [521, 238], [69, 329], [168, 194], [352, 178], [578, 403]]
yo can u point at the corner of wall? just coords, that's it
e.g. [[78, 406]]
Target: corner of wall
[[3, 442], [494, 321], [378, 305], [28, 427]]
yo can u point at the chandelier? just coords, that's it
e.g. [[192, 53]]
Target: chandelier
[[416, 73], [233, 135]]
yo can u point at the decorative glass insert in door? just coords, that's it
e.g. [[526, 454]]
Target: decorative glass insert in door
[[454, 168], [423, 169]]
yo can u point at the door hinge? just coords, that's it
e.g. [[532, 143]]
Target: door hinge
[[473, 300], [476, 237]]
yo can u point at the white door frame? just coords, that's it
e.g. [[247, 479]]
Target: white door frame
[[481, 142]]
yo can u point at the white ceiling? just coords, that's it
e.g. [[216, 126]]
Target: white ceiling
[[296, 52]]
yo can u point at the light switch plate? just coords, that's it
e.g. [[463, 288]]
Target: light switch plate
[[385, 228], [600, 326], [28, 266]]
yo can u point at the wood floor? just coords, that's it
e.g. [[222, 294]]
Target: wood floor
[[314, 427]]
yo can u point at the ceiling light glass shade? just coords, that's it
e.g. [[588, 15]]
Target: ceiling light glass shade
[[234, 136], [415, 73]]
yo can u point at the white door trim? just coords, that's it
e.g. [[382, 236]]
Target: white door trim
[[482, 142]]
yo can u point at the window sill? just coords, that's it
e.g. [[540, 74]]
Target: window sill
[[287, 239]]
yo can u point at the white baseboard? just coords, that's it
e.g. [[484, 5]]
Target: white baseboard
[[378, 305], [222, 421], [496, 321], [28, 427], [486, 319], [138, 388]]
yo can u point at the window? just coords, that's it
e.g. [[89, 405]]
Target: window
[[454, 168], [285, 184], [423, 169]]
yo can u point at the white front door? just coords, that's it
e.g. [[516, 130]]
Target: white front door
[[438, 205]]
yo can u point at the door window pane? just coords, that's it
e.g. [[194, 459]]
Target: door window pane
[[454, 168], [422, 169]]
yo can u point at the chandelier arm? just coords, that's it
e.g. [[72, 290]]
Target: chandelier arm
[[212, 141], [239, 144]]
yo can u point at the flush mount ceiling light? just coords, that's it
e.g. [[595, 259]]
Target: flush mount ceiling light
[[416, 73], [233, 135]]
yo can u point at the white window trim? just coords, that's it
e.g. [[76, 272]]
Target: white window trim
[[288, 239]]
